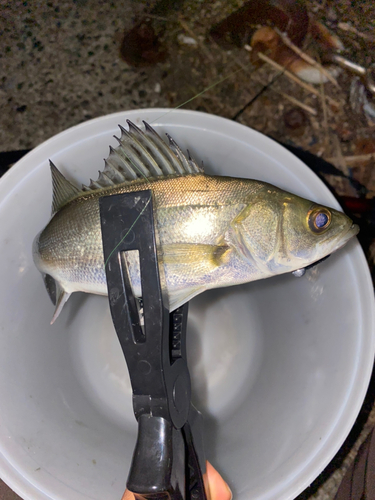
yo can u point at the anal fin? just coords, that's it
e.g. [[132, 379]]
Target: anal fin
[[57, 295], [62, 298]]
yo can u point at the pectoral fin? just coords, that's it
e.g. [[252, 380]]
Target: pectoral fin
[[188, 268], [201, 258]]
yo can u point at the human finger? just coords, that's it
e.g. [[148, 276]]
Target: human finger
[[215, 486]]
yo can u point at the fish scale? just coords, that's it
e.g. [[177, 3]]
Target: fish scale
[[212, 231]]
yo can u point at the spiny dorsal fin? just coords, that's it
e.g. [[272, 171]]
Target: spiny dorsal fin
[[63, 190], [142, 155]]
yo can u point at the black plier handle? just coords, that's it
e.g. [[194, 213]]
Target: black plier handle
[[168, 459]]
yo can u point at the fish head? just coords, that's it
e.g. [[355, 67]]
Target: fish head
[[313, 231], [283, 232]]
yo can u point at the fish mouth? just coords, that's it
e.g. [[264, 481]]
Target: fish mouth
[[352, 231]]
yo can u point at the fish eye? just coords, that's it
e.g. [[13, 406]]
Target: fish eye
[[319, 219]]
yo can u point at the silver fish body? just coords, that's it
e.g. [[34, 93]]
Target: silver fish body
[[212, 231]]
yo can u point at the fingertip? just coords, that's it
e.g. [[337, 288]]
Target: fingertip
[[217, 488], [128, 495]]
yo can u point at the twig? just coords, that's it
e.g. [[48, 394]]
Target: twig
[[340, 161], [352, 160], [295, 78], [292, 99], [158, 18], [295, 101], [325, 113], [351, 29], [306, 57]]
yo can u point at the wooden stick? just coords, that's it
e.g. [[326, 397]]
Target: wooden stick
[[340, 161], [346, 27], [325, 114], [352, 160], [306, 57], [158, 18], [295, 101], [295, 78], [292, 99]]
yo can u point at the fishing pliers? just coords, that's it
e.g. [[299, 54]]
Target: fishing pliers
[[168, 459]]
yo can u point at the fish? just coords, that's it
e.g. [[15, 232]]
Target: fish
[[213, 231]]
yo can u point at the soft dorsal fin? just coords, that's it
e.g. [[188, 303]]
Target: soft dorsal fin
[[142, 155], [63, 190]]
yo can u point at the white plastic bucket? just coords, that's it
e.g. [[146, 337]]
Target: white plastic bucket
[[279, 367]]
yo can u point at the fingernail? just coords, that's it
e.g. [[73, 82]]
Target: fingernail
[[229, 491]]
